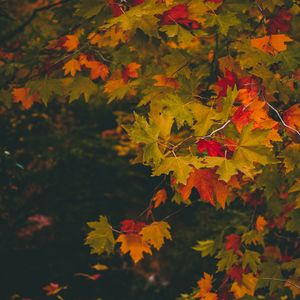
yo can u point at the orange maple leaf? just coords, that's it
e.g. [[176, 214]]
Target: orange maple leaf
[[271, 43], [292, 116], [208, 186], [71, 43], [98, 69], [23, 95], [160, 197], [205, 286], [71, 67], [131, 71], [133, 244], [260, 223], [162, 80], [246, 287]]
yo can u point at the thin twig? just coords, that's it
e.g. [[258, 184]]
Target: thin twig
[[279, 116], [20, 28], [281, 280]]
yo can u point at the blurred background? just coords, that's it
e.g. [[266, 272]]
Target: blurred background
[[57, 174]]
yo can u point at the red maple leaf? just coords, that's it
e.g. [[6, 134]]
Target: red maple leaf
[[241, 117], [280, 22], [213, 148], [236, 273], [228, 81], [131, 226], [233, 242], [178, 15]]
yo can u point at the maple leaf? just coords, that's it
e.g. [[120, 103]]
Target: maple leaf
[[155, 234], [162, 80], [247, 287], [280, 22], [71, 67], [24, 96], [290, 157], [291, 116], [226, 167], [251, 259], [131, 226], [181, 166], [160, 197], [101, 238], [88, 276], [236, 273], [260, 223], [130, 71], [78, 86], [271, 43], [251, 150], [133, 244], [213, 148], [233, 242], [205, 247], [205, 286], [241, 117], [100, 267], [229, 80], [71, 42], [208, 186], [98, 69], [53, 288]]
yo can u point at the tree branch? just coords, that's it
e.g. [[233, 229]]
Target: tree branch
[[20, 28]]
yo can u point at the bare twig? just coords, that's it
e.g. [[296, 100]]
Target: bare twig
[[280, 118], [21, 27], [281, 280]]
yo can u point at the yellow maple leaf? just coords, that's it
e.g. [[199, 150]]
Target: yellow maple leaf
[[113, 84], [271, 43], [71, 67], [155, 233], [23, 95], [133, 244], [260, 223], [98, 69], [160, 197], [110, 38], [246, 287], [71, 43], [162, 80]]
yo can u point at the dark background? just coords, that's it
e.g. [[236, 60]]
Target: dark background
[[59, 166]]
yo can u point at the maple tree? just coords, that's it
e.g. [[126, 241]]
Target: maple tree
[[213, 85]]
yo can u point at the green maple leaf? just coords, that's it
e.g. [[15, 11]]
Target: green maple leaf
[[226, 167], [250, 150], [269, 269], [181, 166], [88, 8], [141, 16], [101, 238], [205, 117], [291, 158], [46, 88], [205, 247], [223, 21], [78, 86], [148, 134], [251, 258], [226, 260], [227, 103], [293, 224], [179, 109]]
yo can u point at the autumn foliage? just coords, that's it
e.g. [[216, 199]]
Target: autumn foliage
[[214, 91]]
